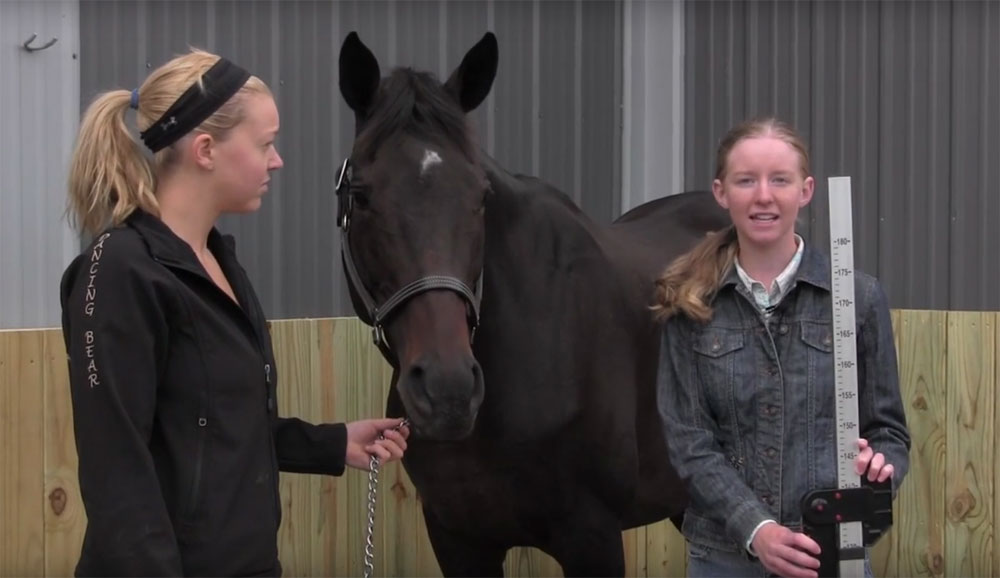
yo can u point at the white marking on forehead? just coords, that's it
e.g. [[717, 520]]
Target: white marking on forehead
[[430, 159]]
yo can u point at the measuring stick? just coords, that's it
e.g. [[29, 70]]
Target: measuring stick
[[845, 359], [855, 514]]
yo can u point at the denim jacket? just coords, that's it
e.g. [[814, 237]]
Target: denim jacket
[[747, 402]]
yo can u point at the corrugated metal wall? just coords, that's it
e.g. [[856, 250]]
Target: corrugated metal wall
[[903, 97], [553, 111], [652, 101], [38, 120]]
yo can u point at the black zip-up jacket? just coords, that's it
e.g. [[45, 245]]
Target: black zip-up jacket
[[174, 410]]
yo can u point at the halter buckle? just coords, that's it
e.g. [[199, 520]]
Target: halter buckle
[[378, 335], [345, 201]]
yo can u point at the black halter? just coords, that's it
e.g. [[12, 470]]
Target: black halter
[[378, 315]]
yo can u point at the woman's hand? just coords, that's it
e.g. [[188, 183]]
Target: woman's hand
[[363, 441], [786, 553], [871, 462]]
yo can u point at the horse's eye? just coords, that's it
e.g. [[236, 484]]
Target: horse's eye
[[361, 195]]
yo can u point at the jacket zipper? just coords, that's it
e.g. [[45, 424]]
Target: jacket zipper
[[267, 391]]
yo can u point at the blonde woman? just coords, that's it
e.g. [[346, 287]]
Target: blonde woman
[[171, 367], [746, 380]]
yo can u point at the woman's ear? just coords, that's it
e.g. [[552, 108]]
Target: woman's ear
[[720, 194], [808, 186], [203, 150]]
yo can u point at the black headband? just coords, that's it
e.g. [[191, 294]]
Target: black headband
[[193, 107]]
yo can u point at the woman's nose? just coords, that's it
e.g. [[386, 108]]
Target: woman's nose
[[276, 162], [764, 194]]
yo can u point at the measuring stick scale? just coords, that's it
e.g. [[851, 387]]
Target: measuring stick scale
[[845, 364]]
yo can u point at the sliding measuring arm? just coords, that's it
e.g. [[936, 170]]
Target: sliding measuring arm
[[824, 510]]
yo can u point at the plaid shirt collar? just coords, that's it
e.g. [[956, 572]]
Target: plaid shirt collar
[[768, 299]]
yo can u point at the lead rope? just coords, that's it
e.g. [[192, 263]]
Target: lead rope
[[372, 489]]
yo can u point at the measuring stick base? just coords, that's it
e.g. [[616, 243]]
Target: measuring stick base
[[823, 510]]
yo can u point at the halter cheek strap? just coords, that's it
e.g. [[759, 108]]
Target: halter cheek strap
[[378, 315]]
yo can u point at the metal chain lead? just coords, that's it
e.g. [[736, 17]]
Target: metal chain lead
[[372, 489], [369, 545]]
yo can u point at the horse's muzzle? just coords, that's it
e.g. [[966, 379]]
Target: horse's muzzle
[[442, 399]]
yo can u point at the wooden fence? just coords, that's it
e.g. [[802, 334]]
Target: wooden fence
[[946, 514]]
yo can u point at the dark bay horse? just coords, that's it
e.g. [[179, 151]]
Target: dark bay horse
[[518, 329]]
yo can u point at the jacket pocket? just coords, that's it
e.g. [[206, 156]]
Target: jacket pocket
[[191, 508], [818, 335], [717, 343]]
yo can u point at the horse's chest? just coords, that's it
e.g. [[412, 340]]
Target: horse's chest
[[476, 492]]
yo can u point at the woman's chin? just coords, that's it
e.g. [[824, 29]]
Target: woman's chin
[[765, 234], [249, 206]]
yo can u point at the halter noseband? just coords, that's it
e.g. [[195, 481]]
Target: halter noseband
[[379, 314]]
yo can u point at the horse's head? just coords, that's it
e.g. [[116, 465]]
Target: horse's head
[[411, 198]]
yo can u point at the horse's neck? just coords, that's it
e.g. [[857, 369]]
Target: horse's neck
[[544, 265], [527, 207], [540, 247], [553, 282]]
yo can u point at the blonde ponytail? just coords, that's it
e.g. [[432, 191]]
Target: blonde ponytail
[[109, 175], [690, 282]]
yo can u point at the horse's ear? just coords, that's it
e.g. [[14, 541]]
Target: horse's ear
[[359, 74], [472, 80]]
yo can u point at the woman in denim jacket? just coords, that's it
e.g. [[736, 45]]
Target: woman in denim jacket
[[746, 379]]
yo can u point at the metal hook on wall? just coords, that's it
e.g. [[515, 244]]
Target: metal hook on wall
[[29, 48]]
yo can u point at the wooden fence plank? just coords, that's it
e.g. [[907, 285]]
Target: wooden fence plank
[[323, 356], [634, 545], [996, 443], [299, 538], [65, 517], [340, 365], [920, 506], [971, 402], [666, 551], [22, 451], [347, 376]]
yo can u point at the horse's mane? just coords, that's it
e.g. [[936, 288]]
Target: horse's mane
[[415, 103]]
